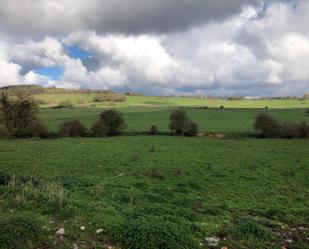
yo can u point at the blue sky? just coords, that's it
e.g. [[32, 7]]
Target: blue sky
[[55, 73]]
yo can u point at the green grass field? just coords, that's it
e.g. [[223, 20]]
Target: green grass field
[[139, 119], [252, 192], [144, 191]]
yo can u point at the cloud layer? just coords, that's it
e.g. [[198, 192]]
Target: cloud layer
[[179, 47]]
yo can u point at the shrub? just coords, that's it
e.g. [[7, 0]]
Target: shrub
[[178, 121], [153, 130], [64, 104], [100, 129], [19, 115], [307, 111], [289, 131], [152, 233], [36, 129], [22, 230], [72, 129], [109, 97], [303, 130], [113, 120], [221, 107], [191, 129], [267, 126]]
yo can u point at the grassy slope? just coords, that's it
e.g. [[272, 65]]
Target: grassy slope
[[85, 99], [208, 184]]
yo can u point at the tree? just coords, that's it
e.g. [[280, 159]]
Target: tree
[[72, 129], [110, 122], [180, 123], [19, 114], [267, 126]]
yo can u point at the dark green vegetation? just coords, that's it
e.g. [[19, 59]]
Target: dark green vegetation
[[154, 192]]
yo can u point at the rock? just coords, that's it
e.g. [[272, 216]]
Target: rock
[[82, 228], [75, 246], [289, 241], [212, 241], [99, 230], [61, 231]]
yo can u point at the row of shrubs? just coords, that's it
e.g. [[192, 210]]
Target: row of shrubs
[[267, 126], [19, 118]]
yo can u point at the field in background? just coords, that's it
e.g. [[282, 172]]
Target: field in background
[[85, 99], [139, 119]]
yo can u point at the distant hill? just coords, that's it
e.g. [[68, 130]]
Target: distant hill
[[36, 89]]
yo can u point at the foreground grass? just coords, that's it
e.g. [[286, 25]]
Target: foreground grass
[[253, 193], [139, 119]]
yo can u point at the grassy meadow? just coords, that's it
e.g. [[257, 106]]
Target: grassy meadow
[[135, 192]]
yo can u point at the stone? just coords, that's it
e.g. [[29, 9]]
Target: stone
[[99, 230], [75, 246], [61, 231], [82, 228], [212, 241]]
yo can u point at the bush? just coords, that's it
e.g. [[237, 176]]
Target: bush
[[72, 129], [64, 104], [307, 111], [267, 126], [110, 122], [36, 129], [289, 131], [153, 234], [100, 129], [109, 97], [153, 130], [22, 230], [19, 116], [191, 129], [303, 130], [180, 123]]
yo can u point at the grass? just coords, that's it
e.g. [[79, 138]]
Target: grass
[[252, 192], [152, 192], [85, 100], [139, 119]]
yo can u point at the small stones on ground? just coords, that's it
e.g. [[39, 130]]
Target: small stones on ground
[[289, 241], [75, 246], [82, 228], [99, 231], [224, 247], [61, 231], [212, 241]]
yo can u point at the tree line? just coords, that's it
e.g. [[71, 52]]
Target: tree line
[[19, 117]]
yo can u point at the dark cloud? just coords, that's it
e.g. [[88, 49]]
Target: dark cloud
[[37, 17]]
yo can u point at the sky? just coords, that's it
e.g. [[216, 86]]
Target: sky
[[161, 47]]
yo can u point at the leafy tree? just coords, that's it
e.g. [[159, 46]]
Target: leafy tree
[[110, 122], [178, 121], [19, 114]]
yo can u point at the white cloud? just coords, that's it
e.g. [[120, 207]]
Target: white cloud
[[252, 53]]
